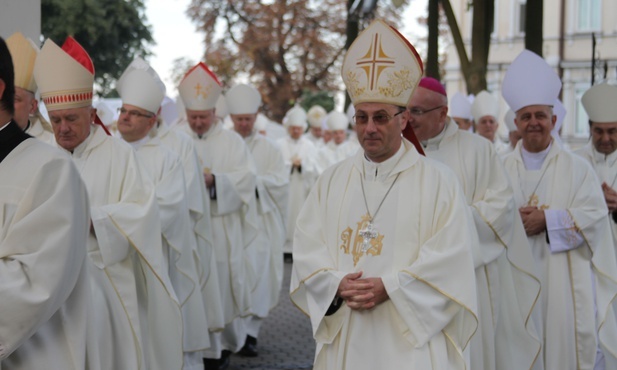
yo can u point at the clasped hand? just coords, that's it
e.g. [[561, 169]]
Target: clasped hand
[[534, 220], [361, 294]]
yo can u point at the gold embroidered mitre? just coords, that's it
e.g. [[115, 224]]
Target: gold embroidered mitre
[[381, 66], [24, 52], [64, 75], [200, 88]]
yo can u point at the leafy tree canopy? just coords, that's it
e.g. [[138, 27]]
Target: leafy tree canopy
[[113, 32]]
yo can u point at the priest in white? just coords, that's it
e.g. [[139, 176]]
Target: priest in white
[[299, 154], [43, 232], [339, 148], [27, 114], [266, 253], [199, 210], [230, 178], [142, 93], [315, 117], [382, 260], [565, 217], [485, 110], [505, 280], [136, 321], [460, 111]]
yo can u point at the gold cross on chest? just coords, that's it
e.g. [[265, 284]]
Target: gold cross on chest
[[368, 233], [375, 61]]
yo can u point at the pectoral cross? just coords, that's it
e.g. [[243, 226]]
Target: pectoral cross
[[367, 234]]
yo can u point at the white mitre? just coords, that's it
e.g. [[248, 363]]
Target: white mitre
[[508, 119], [243, 99], [24, 53], [64, 75], [485, 104], [141, 86], [221, 110], [529, 80], [105, 113], [460, 106], [560, 112], [600, 103], [337, 121], [261, 123], [316, 115], [200, 88], [295, 117], [169, 111], [381, 66]]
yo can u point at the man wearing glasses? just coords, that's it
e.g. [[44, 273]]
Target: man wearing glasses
[[382, 259], [503, 246]]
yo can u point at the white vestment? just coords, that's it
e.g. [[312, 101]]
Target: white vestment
[[137, 322], [505, 279], [317, 141], [40, 131], [44, 289], [199, 207], [266, 255], [579, 281], [165, 171], [300, 182], [421, 251], [331, 154], [234, 223]]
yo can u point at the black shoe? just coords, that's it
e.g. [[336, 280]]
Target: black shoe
[[224, 361], [211, 363], [250, 347]]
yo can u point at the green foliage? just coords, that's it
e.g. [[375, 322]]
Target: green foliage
[[113, 32], [323, 98]]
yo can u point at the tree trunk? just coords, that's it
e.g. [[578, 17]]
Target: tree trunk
[[432, 60], [352, 33], [458, 39]]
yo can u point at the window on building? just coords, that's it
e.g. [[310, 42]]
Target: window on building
[[588, 15], [581, 125], [521, 5]]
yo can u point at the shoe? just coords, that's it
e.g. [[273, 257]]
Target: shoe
[[250, 347], [224, 361], [211, 363]]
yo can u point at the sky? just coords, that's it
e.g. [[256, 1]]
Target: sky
[[176, 35]]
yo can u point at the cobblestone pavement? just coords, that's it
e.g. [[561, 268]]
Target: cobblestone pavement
[[285, 341]]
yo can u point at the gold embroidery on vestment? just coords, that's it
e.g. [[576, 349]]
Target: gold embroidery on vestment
[[348, 235]]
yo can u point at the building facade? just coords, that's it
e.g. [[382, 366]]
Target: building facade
[[568, 26]]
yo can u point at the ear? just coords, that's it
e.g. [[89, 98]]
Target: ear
[[92, 114], [34, 104], [2, 88]]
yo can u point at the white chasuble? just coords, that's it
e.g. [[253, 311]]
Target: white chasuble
[[579, 284], [506, 283], [332, 153], [179, 246], [199, 207], [234, 223], [273, 195], [137, 322], [300, 181], [420, 249], [44, 288]]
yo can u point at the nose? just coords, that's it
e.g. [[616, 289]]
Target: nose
[[370, 126], [63, 126]]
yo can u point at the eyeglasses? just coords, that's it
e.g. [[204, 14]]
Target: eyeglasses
[[134, 113], [415, 111], [378, 119]]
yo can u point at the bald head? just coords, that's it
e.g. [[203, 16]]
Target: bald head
[[428, 112]]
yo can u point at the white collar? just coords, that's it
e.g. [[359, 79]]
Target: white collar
[[380, 171], [534, 161]]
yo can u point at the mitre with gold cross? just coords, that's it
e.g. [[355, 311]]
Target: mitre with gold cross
[[200, 88], [381, 66]]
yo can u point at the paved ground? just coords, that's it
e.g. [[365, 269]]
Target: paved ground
[[285, 341]]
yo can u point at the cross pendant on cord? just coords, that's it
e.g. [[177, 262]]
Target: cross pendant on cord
[[367, 234]]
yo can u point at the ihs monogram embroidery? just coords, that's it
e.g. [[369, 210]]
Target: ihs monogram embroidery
[[365, 241]]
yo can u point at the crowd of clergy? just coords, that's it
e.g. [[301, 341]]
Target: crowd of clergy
[[421, 239]]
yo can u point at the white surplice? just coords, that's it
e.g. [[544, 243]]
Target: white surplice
[[199, 207], [234, 223], [300, 182], [505, 279], [267, 253], [331, 154], [579, 281], [44, 289], [165, 171], [421, 252], [137, 323]]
